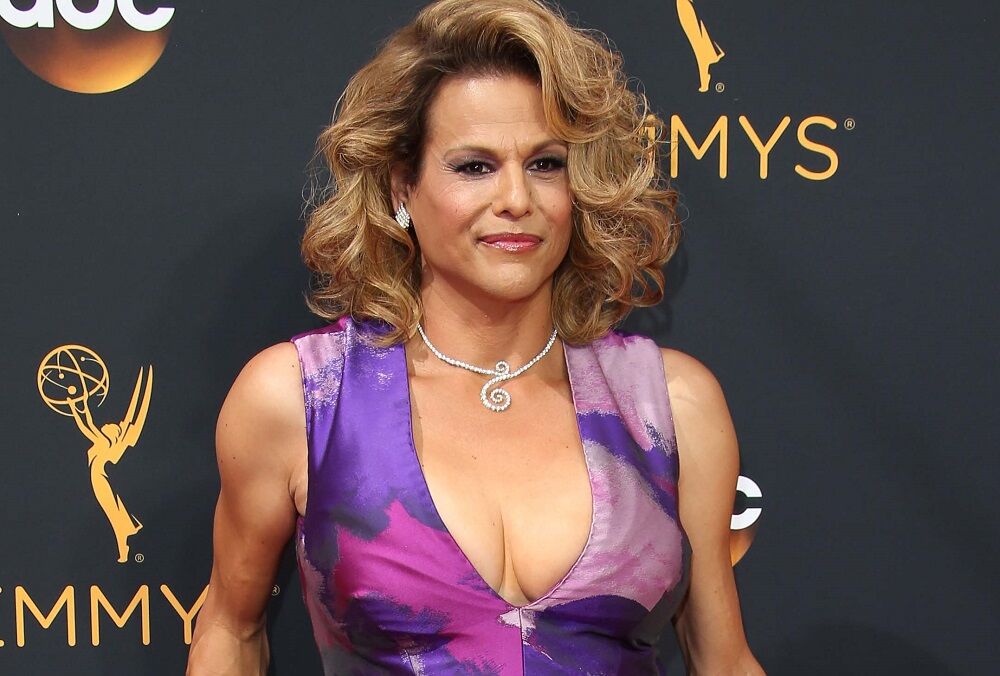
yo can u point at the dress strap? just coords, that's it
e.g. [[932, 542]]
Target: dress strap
[[321, 357]]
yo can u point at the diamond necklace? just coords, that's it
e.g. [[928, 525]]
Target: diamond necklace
[[496, 399]]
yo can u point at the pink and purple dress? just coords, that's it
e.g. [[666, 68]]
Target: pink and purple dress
[[387, 588]]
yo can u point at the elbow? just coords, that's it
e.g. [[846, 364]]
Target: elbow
[[743, 664], [220, 649], [747, 665], [732, 658]]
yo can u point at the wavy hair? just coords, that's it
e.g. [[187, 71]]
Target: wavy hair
[[624, 220]]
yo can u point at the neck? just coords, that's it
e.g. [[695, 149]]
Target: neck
[[484, 331]]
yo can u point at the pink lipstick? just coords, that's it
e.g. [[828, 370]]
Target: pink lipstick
[[512, 242]]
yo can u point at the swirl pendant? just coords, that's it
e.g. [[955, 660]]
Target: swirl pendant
[[495, 398]]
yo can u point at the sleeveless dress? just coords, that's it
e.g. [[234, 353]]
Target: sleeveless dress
[[387, 588]]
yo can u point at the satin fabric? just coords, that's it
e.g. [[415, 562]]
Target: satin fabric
[[387, 588]]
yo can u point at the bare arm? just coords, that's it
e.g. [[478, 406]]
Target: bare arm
[[260, 438], [709, 625]]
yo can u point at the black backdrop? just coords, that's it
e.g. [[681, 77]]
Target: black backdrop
[[851, 319]]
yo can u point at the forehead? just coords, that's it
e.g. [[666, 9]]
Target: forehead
[[496, 109]]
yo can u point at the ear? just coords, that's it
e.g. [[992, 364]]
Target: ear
[[400, 190]]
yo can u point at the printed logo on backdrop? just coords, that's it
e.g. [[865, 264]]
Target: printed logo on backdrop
[[813, 133], [743, 523], [86, 46], [73, 381], [706, 51]]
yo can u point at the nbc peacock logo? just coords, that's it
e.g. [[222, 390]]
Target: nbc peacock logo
[[86, 46]]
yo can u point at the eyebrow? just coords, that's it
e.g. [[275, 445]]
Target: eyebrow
[[482, 149]]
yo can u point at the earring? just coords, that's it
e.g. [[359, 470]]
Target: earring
[[403, 216]]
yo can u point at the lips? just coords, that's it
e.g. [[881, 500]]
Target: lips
[[512, 242], [511, 238]]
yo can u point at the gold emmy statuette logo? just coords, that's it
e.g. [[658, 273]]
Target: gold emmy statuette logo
[[706, 51], [90, 51], [72, 379]]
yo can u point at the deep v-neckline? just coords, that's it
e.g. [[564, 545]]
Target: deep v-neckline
[[425, 490]]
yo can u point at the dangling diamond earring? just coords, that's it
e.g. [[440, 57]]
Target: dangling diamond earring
[[403, 216]]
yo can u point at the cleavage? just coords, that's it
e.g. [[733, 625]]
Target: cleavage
[[514, 496]]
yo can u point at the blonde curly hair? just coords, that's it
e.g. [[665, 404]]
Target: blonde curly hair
[[624, 221]]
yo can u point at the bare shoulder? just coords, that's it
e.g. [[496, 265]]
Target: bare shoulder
[[690, 382], [263, 415], [271, 380], [701, 415]]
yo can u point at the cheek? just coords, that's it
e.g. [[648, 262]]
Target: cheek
[[453, 207], [558, 205]]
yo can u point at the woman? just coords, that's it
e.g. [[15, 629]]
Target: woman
[[467, 493]]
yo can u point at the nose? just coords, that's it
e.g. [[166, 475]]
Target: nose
[[513, 193]]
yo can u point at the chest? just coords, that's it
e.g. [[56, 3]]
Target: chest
[[439, 528], [512, 488], [569, 492]]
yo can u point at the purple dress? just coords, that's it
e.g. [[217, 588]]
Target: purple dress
[[387, 588]]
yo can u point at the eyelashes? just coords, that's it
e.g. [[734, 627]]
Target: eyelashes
[[556, 163], [476, 167], [463, 167]]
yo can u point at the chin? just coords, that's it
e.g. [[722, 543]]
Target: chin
[[514, 289]]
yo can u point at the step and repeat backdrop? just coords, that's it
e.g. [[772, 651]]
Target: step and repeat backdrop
[[838, 275]]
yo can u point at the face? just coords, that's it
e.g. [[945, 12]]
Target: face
[[492, 207]]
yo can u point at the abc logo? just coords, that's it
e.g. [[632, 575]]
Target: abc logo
[[743, 525], [86, 46]]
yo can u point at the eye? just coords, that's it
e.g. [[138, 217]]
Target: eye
[[550, 164], [472, 167]]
